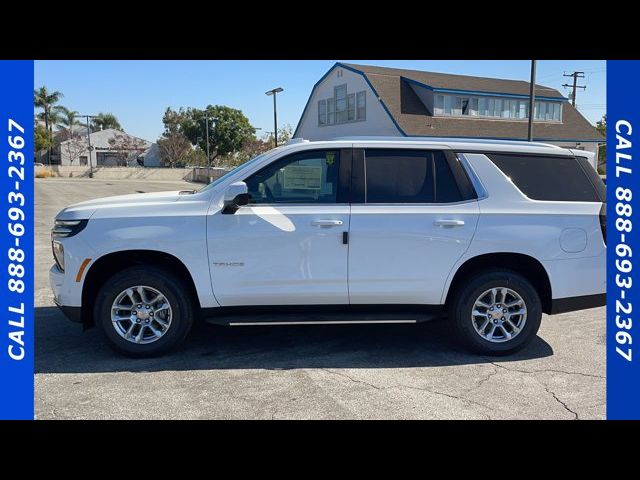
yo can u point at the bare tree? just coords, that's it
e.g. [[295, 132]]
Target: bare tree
[[174, 148], [127, 148], [74, 146]]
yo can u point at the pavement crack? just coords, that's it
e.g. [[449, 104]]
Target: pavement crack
[[485, 379], [547, 370], [553, 394], [444, 394], [409, 387], [354, 380], [546, 387]]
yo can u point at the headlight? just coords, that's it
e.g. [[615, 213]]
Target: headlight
[[58, 254], [68, 228]]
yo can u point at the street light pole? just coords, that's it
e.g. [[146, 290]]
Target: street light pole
[[274, 92], [206, 119], [532, 99]]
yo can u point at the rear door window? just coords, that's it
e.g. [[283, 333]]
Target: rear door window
[[548, 178], [409, 176]]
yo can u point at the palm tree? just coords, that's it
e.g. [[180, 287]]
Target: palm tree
[[68, 119], [104, 121], [46, 100]]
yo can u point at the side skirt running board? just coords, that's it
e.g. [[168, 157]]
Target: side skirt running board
[[305, 318]]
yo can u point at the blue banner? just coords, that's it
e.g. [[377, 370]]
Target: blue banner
[[16, 240], [623, 249]]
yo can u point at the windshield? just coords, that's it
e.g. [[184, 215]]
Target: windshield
[[233, 172]]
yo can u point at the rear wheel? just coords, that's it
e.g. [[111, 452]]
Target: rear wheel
[[496, 313], [144, 311]]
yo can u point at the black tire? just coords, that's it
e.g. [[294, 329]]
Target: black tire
[[165, 282], [465, 298]]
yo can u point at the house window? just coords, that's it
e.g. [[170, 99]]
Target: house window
[[340, 94], [439, 105], [343, 107], [483, 107], [331, 111], [457, 106], [493, 107], [448, 105], [506, 109], [524, 110], [361, 100], [351, 107], [473, 107], [322, 112]]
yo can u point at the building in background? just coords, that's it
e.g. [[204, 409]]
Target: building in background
[[109, 148], [356, 100]]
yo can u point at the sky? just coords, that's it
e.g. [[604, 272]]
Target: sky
[[138, 92]]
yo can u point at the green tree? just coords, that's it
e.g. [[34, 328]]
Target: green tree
[[228, 128], [104, 121], [46, 100], [67, 120], [42, 139], [601, 126]]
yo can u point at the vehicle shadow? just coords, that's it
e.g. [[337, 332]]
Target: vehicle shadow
[[62, 347]]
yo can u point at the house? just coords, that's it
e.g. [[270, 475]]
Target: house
[[356, 100], [109, 147]]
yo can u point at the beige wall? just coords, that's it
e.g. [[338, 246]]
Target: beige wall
[[147, 173]]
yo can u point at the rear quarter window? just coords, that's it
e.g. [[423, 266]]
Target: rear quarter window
[[548, 178]]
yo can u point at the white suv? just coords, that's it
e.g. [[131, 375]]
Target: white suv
[[489, 233]]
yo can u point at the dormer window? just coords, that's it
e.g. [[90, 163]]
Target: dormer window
[[495, 107]]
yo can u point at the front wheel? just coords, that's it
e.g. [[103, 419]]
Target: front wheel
[[144, 311], [496, 313]]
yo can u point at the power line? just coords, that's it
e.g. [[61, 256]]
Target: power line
[[575, 86]]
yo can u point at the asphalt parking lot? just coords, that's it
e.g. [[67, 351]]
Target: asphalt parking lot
[[303, 372]]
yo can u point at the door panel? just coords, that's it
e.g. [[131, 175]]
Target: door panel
[[285, 248], [399, 253], [413, 217], [279, 255]]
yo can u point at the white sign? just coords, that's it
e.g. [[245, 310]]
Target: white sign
[[299, 177]]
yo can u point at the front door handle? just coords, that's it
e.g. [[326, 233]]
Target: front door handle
[[449, 223], [326, 223]]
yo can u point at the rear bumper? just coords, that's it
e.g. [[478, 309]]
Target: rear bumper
[[571, 304]]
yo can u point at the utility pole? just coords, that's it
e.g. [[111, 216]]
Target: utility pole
[[576, 76], [532, 100], [87, 117]]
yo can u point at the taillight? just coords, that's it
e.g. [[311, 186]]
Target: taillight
[[603, 222]]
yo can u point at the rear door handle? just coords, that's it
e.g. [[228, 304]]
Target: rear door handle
[[326, 223], [449, 223]]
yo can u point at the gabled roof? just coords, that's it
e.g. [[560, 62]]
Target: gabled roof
[[100, 138], [393, 88], [464, 83]]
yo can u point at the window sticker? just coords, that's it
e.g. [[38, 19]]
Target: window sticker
[[331, 158], [299, 177]]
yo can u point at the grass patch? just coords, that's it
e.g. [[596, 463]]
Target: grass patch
[[44, 173]]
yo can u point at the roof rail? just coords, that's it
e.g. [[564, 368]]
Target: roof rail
[[446, 140], [293, 141]]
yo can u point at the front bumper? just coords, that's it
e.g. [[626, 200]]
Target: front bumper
[[72, 313], [61, 298]]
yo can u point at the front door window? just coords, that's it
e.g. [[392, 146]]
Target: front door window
[[302, 178]]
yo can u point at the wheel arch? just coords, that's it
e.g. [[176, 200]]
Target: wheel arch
[[109, 264], [520, 263]]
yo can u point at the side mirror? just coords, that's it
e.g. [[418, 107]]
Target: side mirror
[[235, 196]]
